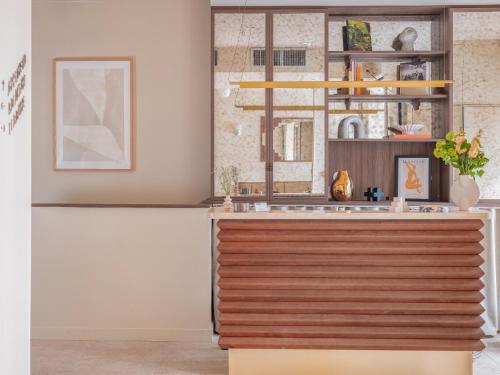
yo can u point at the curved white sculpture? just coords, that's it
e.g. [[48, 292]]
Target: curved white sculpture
[[356, 123]]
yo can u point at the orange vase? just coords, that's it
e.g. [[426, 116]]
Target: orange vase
[[342, 186]]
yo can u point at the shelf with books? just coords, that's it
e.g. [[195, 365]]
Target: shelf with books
[[386, 55]]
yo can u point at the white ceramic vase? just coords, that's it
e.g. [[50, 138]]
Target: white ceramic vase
[[464, 192]]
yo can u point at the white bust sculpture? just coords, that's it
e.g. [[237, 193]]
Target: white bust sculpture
[[407, 38]]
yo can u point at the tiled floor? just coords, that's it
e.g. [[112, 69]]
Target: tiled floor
[[164, 358], [126, 358], [488, 362]]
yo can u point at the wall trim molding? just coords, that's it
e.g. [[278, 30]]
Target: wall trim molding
[[120, 205], [140, 334]]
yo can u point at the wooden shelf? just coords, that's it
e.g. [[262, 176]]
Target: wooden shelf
[[338, 84], [385, 55], [309, 108], [433, 140], [387, 98]]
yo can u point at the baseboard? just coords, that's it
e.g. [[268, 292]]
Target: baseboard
[[78, 333]]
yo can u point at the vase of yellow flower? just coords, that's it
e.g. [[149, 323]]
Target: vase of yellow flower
[[469, 159]]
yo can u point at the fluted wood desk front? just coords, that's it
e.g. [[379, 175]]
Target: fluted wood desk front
[[349, 283]]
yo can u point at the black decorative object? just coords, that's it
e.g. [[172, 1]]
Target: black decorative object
[[375, 194]]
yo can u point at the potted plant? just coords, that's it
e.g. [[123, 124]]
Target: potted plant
[[228, 179], [469, 159]]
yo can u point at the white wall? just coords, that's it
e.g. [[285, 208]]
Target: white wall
[[14, 197], [121, 273]]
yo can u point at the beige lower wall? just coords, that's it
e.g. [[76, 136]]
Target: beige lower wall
[[121, 273]]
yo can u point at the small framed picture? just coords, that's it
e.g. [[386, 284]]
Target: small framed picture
[[413, 177]]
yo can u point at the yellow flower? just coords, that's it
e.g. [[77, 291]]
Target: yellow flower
[[459, 139]]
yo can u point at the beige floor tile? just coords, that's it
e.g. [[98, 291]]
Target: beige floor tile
[[57, 357]]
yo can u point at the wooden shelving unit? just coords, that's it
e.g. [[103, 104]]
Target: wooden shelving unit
[[371, 161]]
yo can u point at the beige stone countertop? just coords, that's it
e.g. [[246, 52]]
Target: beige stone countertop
[[218, 213]]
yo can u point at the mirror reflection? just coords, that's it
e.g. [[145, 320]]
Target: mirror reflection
[[293, 139], [476, 98]]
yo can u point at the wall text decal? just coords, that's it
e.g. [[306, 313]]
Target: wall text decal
[[14, 90]]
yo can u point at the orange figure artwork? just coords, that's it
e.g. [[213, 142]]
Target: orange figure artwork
[[412, 180]]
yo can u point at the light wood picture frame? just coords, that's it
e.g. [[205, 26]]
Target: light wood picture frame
[[93, 113]]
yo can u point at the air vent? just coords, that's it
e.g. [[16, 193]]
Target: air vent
[[282, 57], [259, 56]]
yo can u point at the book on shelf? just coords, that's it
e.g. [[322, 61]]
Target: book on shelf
[[414, 71], [412, 136], [358, 36], [355, 73]]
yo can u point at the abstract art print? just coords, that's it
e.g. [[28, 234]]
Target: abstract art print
[[93, 105], [413, 177]]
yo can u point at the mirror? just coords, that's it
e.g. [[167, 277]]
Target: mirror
[[299, 156], [237, 131], [476, 97], [293, 139]]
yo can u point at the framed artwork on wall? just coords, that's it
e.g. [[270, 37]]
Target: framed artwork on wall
[[93, 113], [413, 177]]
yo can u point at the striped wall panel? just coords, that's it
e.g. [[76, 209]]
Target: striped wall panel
[[342, 284]]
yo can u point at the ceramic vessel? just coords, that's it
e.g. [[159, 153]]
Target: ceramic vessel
[[464, 192], [407, 39], [342, 187], [228, 204], [351, 121]]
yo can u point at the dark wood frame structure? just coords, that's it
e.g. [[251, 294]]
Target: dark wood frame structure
[[442, 180]]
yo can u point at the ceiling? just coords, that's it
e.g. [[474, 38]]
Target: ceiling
[[347, 2]]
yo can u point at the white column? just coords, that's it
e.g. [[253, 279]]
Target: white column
[[15, 190]]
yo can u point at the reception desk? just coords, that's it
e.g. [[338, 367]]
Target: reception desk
[[350, 293]]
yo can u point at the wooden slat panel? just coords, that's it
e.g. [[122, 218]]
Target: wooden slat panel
[[349, 284], [459, 321], [349, 344], [348, 235], [347, 248], [352, 332], [400, 308], [349, 296], [388, 225], [364, 272], [342, 284], [350, 260]]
